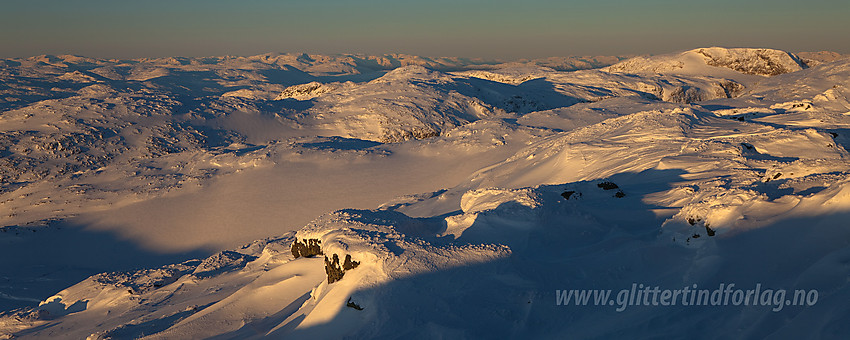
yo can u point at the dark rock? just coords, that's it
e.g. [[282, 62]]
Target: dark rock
[[308, 248], [351, 304], [607, 185], [348, 263], [333, 270]]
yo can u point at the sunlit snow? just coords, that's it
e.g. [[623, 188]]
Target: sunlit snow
[[161, 198]]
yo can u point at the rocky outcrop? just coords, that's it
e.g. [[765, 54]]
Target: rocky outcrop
[[307, 91], [333, 269], [309, 248]]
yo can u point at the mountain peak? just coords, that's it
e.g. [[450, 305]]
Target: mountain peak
[[757, 61], [751, 61]]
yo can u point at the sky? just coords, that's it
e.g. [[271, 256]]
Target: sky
[[500, 29]]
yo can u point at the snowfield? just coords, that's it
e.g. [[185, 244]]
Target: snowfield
[[348, 196]]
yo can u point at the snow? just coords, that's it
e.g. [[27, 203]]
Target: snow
[[762, 62], [160, 198]]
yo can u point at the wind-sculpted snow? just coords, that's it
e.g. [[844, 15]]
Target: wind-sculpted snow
[[202, 296], [501, 183]]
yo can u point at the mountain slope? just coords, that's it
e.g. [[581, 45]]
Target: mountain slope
[[591, 179], [762, 62]]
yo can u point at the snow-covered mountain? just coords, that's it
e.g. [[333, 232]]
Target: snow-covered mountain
[[396, 196], [762, 62]]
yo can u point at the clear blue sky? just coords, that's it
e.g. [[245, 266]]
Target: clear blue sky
[[468, 28]]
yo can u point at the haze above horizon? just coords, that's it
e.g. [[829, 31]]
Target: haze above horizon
[[462, 28]]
